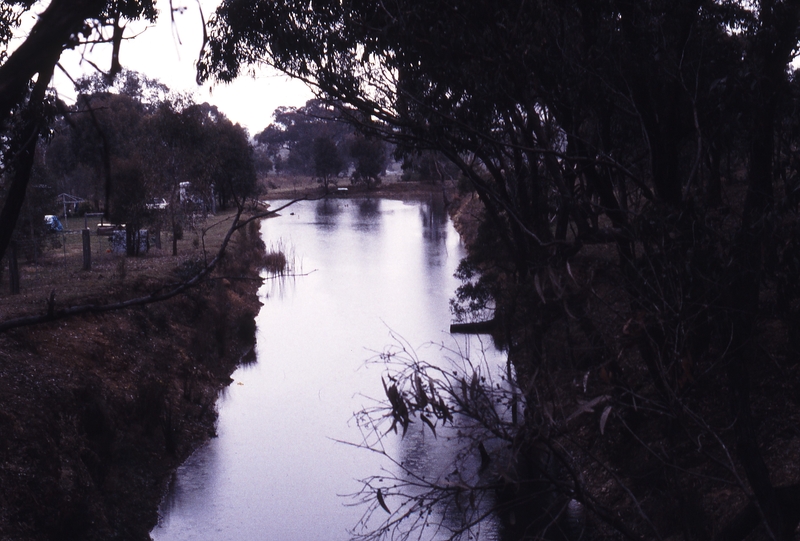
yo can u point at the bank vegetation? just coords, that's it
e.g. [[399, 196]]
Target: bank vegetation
[[99, 408], [635, 169]]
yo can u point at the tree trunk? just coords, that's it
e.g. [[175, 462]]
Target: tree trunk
[[770, 54], [13, 270], [51, 34], [21, 161]]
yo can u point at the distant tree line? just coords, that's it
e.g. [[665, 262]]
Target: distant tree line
[[319, 140]]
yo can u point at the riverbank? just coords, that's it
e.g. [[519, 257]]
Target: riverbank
[[96, 411], [295, 187], [640, 435]]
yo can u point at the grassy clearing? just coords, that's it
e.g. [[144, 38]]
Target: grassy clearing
[[113, 276]]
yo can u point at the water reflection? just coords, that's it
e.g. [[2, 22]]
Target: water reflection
[[276, 471], [450, 458], [369, 209], [327, 212], [434, 216]]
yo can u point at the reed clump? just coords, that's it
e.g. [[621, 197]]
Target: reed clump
[[279, 259], [276, 263]]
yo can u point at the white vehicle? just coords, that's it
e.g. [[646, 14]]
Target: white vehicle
[[157, 203]]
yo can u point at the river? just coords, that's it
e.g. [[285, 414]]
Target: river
[[369, 270]]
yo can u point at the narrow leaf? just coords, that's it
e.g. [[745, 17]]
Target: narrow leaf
[[485, 458], [555, 281], [428, 422], [382, 502], [604, 419], [566, 309], [586, 407]]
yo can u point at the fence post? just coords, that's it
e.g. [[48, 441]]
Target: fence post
[[13, 268], [87, 249]]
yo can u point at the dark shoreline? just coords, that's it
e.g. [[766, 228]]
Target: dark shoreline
[[97, 412]]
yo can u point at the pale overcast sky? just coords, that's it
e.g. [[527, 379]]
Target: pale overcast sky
[[168, 52]]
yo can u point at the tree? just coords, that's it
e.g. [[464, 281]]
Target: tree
[[129, 200], [295, 130], [427, 166], [327, 161], [63, 25], [585, 124], [370, 160], [233, 173], [263, 161]]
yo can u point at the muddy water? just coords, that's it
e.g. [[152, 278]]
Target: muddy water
[[278, 470]]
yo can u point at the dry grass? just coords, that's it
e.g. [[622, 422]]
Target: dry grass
[[96, 411], [112, 276]]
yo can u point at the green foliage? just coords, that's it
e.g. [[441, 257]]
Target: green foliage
[[26, 72], [143, 90], [137, 124], [10, 13], [84, 207], [262, 162], [129, 194], [294, 131], [661, 132], [428, 166], [32, 233], [327, 161], [370, 160]]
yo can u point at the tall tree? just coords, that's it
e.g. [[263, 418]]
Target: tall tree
[[580, 123], [294, 131], [370, 159], [327, 161]]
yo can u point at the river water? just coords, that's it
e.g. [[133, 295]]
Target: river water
[[370, 270]]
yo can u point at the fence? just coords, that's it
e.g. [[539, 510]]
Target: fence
[[80, 263]]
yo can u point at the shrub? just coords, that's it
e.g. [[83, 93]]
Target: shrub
[[83, 207]]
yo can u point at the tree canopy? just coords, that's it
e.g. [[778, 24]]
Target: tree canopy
[[659, 129], [289, 140], [316, 140], [167, 137], [127, 142]]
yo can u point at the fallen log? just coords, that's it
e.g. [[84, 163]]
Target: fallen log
[[475, 327]]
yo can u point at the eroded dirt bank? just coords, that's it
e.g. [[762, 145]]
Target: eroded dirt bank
[[96, 411]]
